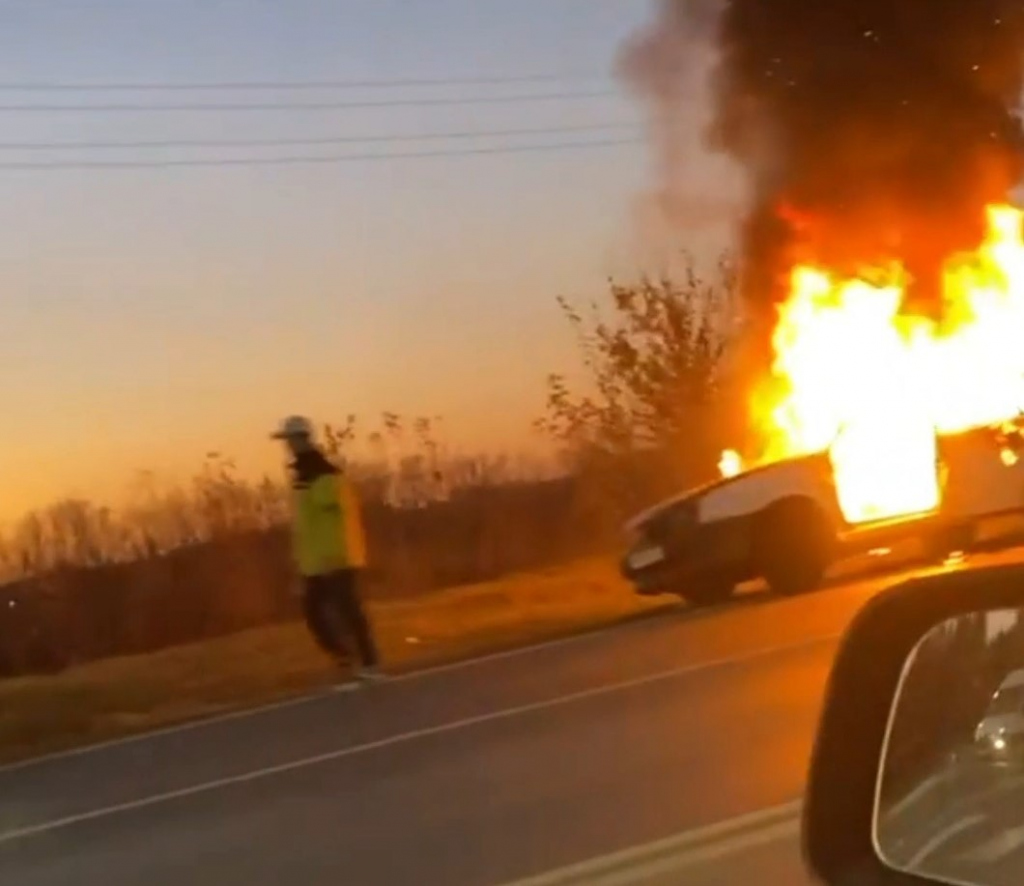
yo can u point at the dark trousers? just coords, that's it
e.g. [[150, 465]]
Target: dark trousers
[[334, 612]]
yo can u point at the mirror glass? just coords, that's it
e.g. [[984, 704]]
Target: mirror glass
[[950, 804]]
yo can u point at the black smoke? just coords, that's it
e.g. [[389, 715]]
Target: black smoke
[[869, 130]]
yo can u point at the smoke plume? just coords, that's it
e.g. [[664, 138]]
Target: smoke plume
[[869, 130]]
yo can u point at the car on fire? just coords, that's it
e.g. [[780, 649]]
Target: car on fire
[[782, 522]]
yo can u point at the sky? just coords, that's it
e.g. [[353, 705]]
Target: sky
[[154, 314]]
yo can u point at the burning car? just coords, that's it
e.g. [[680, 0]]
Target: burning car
[[785, 522], [882, 423]]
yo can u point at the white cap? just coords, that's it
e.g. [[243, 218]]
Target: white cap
[[294, 426]]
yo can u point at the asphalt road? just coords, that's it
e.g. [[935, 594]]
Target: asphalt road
[[964, 824], [484, 773]]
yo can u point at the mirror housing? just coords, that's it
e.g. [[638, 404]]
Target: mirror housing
[[839, 807]]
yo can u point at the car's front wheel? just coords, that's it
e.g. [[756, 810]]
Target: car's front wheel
[[793, 545]]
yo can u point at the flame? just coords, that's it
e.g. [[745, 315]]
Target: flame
[[731, 463], [874, 385]]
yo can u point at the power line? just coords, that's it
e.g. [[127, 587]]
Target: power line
[[310, 106], [29, 166], [310, 142], [292, 86]]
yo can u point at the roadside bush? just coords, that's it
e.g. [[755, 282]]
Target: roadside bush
[[651, 409]]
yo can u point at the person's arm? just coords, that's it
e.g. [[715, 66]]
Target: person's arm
[[352, 532]]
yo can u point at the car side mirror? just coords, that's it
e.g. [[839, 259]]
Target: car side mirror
[[917, 774]]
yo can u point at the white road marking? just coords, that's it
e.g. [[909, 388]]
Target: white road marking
[[713, 852], [918, 793], [309, 698], [682, 850], [963, 801], [991, 794], [997, 848], [190, 726], [643, 618], [940, 839], [404, 738]]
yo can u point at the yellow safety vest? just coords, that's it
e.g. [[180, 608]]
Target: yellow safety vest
[[327, 528]]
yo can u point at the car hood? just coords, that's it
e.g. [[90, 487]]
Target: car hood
[[644, 517]]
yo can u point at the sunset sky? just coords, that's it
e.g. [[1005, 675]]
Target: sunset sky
[[152, 314]]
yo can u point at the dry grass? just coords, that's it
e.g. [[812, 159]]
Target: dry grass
[[121, 696]]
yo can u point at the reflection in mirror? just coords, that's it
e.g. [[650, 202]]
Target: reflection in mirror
[[951, 787]]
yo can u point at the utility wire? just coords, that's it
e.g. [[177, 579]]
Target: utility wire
[[311, 160], [309, 142], [309, 106], [290, 86]]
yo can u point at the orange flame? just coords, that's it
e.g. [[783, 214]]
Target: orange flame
[[873, 385], [731, 463]]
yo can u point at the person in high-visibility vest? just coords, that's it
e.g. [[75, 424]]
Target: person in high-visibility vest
[[329, 548]]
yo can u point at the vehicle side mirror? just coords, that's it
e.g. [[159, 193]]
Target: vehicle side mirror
[[917, 775]]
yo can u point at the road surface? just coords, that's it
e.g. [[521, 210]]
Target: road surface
[[964, 823], [491, 772]]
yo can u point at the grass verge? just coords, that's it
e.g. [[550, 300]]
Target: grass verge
[[122, 696]]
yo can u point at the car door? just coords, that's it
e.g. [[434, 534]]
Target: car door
[[985, 470]]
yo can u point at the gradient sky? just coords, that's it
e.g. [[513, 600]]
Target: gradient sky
[[152, 315]]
